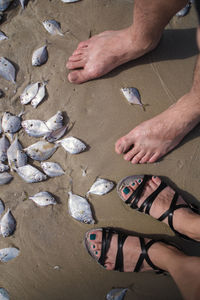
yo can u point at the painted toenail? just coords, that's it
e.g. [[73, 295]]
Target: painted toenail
[[154, 176], [93, 246], [96, 252], [139, 180], [126, 190], [133, 183], [92, 237]]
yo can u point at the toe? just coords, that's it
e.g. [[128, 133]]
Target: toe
[[81, 76], [75, 64], [126, 192], [156, 180], [154, 157], [145, 158], [137, 157], [83, 44], [76, 57], [109, 266], [130, 154], [123, 145]]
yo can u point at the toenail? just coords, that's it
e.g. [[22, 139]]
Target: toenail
[[93, 246], [139, 180], [96, 252], [133, 183], [126, 190], [92, 237], [154, 176]]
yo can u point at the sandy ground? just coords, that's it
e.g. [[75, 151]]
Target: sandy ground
[[49, 237]]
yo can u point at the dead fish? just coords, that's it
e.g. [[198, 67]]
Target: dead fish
[[40, 95], [4, 145], [132, 95], [30, 174], [29, 93], [11, 123], [41, 150], [8, 224], [5, 178], [39, 56], [4, 4], [12, 153], [56, 134], [7, 254], [184, 11], [3, 36], [101, 187], [7, 70], [55, 122], [53, 27], [52, 169], [69, 1], [116, 294], [72, 145], [43, 199], [4, 294], [2, 207], [3, 167], [21, 158], [79, 209], [36, 128]]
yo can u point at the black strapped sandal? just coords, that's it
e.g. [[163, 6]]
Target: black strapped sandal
[[107, 234], [146, 205]]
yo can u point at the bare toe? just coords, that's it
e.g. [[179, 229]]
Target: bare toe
[[137, 157], [145, 158], [83, 44], [79, 76], [76, 64], [154, 158], [130, 154], [123, 145]]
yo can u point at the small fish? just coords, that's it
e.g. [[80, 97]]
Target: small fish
[[52, 169], [101, 187], [184, 11], [41, 150], [69, 1], [30, 174], [29, 93], [5, 178], [132, 95], [72, 145], [53, 27], [56, 134], [7, 70], [36, 128], [40, 95], [43, 199], [79, 209], [12, 153], [39, 56], [116, 294], [3, 36], [8, 224], [11, 123], [7, 254], [55, 122], [4, 294], [2, 207], [4, 4], [3, 167], [4, 145], [21, 158]]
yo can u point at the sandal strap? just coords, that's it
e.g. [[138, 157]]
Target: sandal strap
[[106, 239], [119, 263]]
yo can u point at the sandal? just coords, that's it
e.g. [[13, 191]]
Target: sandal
[[107, 233], [134, 198]]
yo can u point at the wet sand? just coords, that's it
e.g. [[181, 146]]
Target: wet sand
[[49, 237]]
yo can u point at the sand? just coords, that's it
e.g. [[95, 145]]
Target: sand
[[53, 263]]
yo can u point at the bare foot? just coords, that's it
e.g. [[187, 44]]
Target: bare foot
[[154, 138], [104, 52], [185, 220]]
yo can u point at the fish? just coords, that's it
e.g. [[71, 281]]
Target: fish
[[12, 153], [72, 145], [55, 122], [29, 93], [79, 209], [43, 199], [40, 95], [35, 128], [11, 123], [52, 169], [3, 167], [2, 207], [69, 1], [116, 294], [8, 224], [53, 27], [7, 254], [132, 95], [21, 158], [3, 36], [4, 294], [101, 187], [5, 177], [7, 70], [4, 4], [184, 11], [40, 56], [41, 150], [4, 145], [30, 174], [56, 134]]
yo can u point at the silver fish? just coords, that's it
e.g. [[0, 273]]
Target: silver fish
[[7, 70], [8, 224], [52, 169], [101, 187], [72, 145], [116, 294], [36, 128], [55, 122], [53, 27], [21, 158], [40, 56], [43, 199], [3, 167], [7, 254], [5, 178], [79, 209], [132, 95], [41, 150], [30, 174], [4, 4], [69, 1], [11, 123], [4, 294], [56, 134], [2, 207], [29, 93], [40, 95], [3, 36], [184, 11], [4, 145], [12, 153]]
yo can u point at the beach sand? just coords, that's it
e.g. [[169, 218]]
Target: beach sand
[[53, 263]]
